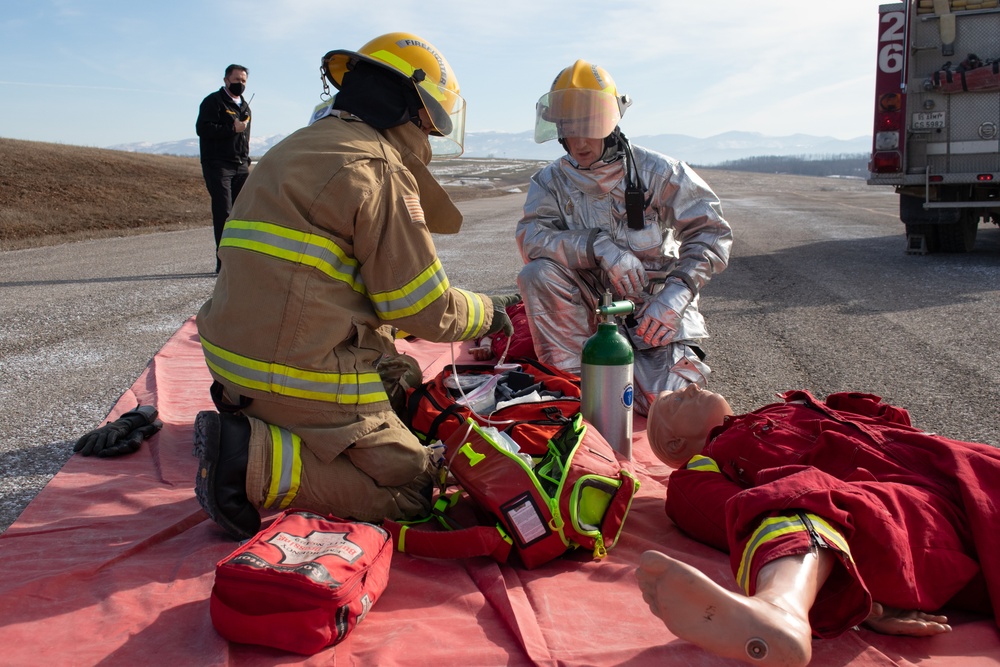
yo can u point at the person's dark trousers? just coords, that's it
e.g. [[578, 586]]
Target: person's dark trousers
[[224, 181]]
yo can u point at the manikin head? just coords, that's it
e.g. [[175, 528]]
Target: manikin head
[[679, 423]]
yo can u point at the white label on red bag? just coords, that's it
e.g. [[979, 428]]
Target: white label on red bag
[[366, 605], [526, 520], [296, 549]]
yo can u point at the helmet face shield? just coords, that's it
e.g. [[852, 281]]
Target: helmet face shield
[[575, 112], [446, 109]]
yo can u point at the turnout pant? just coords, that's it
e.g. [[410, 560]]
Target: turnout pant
[[335, 461]]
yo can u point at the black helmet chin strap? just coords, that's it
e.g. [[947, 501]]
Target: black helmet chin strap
[[636, 200]]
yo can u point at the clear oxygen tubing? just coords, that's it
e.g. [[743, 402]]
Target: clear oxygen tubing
[[486, 419]]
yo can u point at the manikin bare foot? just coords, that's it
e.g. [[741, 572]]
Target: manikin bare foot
[[731, 625]]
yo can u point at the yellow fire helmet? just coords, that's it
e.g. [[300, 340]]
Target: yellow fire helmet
[[582, 102], [419, 62]]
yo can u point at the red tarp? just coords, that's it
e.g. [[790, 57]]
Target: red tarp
[[113, 564]]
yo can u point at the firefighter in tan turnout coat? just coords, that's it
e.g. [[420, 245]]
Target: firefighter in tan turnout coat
[[328, 250]]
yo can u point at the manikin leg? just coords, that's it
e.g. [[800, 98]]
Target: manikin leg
[[769, 628]]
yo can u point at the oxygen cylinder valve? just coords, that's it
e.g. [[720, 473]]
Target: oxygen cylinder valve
[[608, 308], [606, 368]]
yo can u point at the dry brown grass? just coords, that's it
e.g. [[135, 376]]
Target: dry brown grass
[[51, 193], [54, 193]]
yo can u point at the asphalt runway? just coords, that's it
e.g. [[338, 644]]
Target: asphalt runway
[[819, 295]]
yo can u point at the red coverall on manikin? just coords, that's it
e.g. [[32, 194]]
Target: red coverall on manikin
[[912, 516]]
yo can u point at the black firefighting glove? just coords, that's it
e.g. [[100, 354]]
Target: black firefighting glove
[[121, 436], [130, 443], [501, 321]]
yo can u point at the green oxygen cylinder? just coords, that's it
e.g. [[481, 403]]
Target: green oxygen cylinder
[[606, 366]]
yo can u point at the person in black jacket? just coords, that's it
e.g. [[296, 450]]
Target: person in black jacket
[[224, 129]]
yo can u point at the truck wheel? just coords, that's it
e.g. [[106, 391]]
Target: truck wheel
[[921, 239], [960, 237]]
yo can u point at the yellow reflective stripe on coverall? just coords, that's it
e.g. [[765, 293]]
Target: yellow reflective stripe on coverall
[[776, 526], [286, 468], [703, 463], [342, 388]]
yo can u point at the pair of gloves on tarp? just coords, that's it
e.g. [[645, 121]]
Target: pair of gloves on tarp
[[122, 436]]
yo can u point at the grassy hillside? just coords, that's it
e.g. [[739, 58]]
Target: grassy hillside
[[53, 193]]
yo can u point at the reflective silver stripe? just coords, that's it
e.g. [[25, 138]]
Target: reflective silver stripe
[[342, 388], [286, 468], [830, 534], [294, 246], [414, 296]]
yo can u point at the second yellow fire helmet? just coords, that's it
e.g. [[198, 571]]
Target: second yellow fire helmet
[[419, 62], [582, 102]]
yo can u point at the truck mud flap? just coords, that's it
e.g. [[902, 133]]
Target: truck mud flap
[[912, 212]]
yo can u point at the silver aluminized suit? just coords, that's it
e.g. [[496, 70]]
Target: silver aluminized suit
[[685, 237]]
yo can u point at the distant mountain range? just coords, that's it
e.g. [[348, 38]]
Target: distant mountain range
[[521, 146]]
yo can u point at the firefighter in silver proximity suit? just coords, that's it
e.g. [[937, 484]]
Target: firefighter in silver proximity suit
[[612, 216]]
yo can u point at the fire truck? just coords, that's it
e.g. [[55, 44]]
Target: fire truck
[[936, 137]]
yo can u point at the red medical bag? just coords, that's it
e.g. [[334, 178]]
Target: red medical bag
[[434, 413], [302, 584]]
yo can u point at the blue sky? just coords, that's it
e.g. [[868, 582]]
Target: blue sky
[[107, 72]]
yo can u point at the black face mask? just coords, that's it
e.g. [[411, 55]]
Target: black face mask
[[236, 89]]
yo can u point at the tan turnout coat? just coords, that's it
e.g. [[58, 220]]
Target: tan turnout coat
[[327, 249]]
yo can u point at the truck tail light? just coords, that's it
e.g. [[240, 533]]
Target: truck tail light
[[889, 117], [890, 122], [890, 102], [984, 178], [935, 178], [887, 162]]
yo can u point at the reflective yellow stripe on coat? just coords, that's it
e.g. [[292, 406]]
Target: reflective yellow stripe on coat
[[414, 296], [326, 256], [342, 388], [477, 314], [294, 246]]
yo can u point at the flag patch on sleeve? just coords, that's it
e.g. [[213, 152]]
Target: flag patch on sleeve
[[414, 208]]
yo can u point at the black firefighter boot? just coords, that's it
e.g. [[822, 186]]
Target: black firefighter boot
[[222, 445]]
